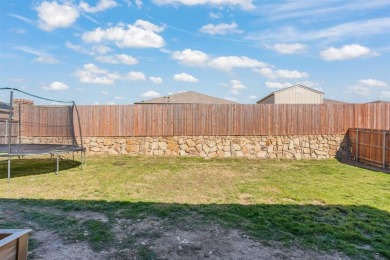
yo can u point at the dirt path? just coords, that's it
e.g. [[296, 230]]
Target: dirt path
[[154, 239]]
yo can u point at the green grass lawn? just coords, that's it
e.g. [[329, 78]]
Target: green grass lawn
[[321, 205]]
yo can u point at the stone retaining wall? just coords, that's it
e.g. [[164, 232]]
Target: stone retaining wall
[[288, 147]]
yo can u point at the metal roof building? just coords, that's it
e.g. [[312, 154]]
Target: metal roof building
[[297, 94]]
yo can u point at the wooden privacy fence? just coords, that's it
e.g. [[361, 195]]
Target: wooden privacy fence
[[371, 146], [48, 121], [218, 120]]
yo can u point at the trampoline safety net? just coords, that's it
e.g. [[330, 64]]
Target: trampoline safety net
[[30, 124]]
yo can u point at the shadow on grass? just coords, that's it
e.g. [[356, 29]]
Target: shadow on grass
[[358, 231], [22, 167], [363, 165]]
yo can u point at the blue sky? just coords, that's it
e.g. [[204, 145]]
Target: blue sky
[[123, 51]]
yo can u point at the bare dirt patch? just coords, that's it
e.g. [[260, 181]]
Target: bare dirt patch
[[214, 242], [51, 246], [208, 241], [88, 215], [159, 239]]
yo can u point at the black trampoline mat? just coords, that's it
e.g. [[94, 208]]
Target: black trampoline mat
[[31, 149]]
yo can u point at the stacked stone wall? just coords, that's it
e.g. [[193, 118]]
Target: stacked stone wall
[[282, 147]]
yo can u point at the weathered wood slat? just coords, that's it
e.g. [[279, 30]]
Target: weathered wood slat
[[204, 119]]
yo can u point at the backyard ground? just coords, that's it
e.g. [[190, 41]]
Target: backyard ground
[[124, 207]]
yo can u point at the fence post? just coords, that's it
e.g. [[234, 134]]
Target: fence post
[[384, 149], [357, 145]]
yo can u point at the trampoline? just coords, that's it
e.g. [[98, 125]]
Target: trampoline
[[27, 128], [31, 149]]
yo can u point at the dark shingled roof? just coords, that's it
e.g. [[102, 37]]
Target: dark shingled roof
[[189, 97]]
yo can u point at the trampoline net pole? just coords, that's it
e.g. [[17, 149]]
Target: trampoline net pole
[[58, 164], [20, 124], [10, 122], [9, 169]]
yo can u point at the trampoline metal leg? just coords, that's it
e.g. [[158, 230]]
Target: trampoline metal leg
[[58, 164], [9, 169], [82, 155]]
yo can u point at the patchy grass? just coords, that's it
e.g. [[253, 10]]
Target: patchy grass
[[322, 205]]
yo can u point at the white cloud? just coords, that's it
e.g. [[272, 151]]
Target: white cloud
[[252, 97], [117, 59], [243, 4], [184, 77], [156, 80], [22, 18], [119, 98], [227, 63], [94, 75], [215, 15], [271, 84], [101, 49], [148, 26], [236, 86], [310, 84], [285, 48], [100, 6], [135, 75], [57, 86], [53, 15], [198, 58], [361, 90], [385, 94], [231, 99], [365, 28], [346, 52], [151, 94], [369, 88], [304, 10], [138, 3], [141, 34], [97, 49], [372, 83], [222, 29], [288, 74], [190, 57], [78, 48], [41, 56], [46, 59], [164, 50], [94, 69], [17, 30], [360, 28], [104, 92]]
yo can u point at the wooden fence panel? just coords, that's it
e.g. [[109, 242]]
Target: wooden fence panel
[[204, 119], [370, 146]]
